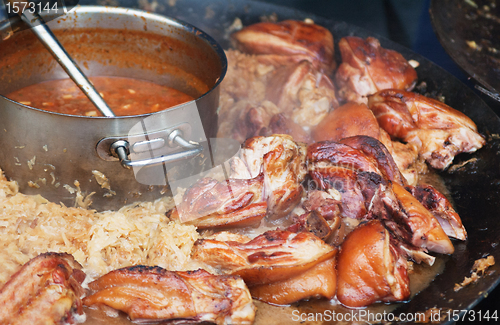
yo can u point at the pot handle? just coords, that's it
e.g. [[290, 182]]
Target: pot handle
[[120, 149]]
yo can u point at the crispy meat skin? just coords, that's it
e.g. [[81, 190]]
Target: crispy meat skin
[[426, 230], [374, 149], [367, 68], [319, 281], [348, 120], [148, 293], [329, 153], [273, 256], [230, 203], [46, 290], [356, 173], [288, 42], [437, 130], [277, 260], [370, 268], [282, 162], [441, 208], [356, 119]]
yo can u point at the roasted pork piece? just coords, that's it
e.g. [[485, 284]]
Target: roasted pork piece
[[441, 208], [277, 258], [425, 228], [371, 187], [370, 268], [356, 175], [288, 42], [438, 131], [354, 119], [153, 294], [320, 281], [230, 203], [285, 64], [376, 150], [368, 68], [348, 120], [282, 162], [46, 290], [265, 181]]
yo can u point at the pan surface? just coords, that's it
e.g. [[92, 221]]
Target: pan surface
[[474, 188], [470, 33]]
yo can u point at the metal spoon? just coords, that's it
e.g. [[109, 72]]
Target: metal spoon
[[48, 39], [119, 149]]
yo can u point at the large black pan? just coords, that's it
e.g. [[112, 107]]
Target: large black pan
[[470, 33], [475, 188]]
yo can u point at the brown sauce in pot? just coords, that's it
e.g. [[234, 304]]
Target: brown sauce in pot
[[125, 96]]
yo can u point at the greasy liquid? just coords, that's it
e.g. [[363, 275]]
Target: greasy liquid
[[125, 96]]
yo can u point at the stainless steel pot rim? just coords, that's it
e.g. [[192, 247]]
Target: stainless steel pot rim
[[148, 17]]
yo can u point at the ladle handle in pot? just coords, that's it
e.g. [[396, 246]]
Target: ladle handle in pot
[[48, 39], [120, 148]]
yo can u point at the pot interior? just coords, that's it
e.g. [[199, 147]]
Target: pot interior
[[116, 42], [104, 42]]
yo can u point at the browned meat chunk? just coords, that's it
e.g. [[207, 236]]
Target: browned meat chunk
[[153, 294], [441, 208], [367, 68], [230, 203], [46, 290], [276, 258], [288, 42], [370, 269], [438, 131], [282, 162]]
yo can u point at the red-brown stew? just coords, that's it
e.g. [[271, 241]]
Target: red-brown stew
[[125, 96]]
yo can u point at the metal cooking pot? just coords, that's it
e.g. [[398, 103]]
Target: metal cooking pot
[[55, 155]]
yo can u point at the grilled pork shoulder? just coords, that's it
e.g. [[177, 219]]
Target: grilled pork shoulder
[[230, 203], [288, 42], [368, 68], [426, 230], [153, 294], [370, 268], [282, 162], [355, 175], [348, 120], [441, 208], [46, 290], [355, 119], [438, 131], [264, 182], [278, 258]]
